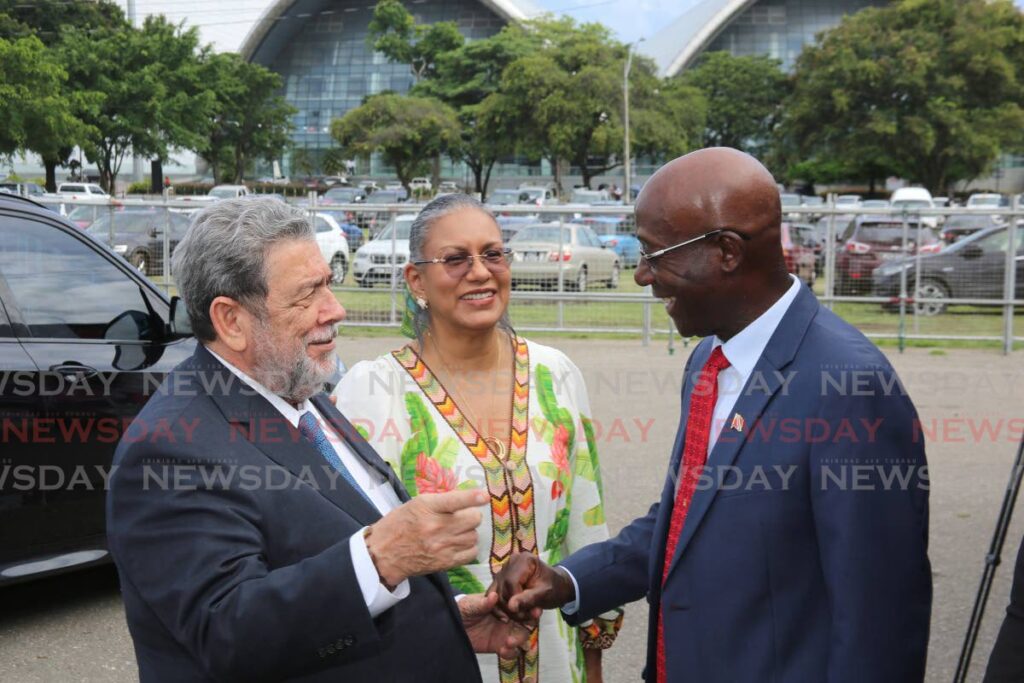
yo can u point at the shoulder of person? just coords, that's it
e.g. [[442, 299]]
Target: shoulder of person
[[554, 359], [368, 377]]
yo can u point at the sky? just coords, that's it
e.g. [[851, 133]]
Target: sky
[[225, 22]]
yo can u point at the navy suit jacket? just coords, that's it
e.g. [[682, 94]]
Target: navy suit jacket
[[803, 558], [231, 538]]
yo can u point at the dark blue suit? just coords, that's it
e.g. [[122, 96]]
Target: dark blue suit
[[804, 555], [231, 538]]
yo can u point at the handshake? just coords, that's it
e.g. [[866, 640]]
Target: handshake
[[437, 531]]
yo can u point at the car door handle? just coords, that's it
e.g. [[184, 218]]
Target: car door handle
[[72, 369]]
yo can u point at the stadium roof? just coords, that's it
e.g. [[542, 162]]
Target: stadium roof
[[675, 46], [281, 10]]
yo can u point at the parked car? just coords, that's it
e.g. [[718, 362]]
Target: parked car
[[447, 187], [333, 245], [972, 268], [138, 235], [800, 237], [871, 241], [538, 195], [384, 257], [914, 199], [848, 201], [346, 221], [343, 195], [540, 252], [23, 189], [374, 220], [78, 321], [229, 192], [980, 200], [618, 234], [506, 197], [81, 191], [331, 180], [421, 184], [958, 226], [585, 197], [875, 204], [510, 225]]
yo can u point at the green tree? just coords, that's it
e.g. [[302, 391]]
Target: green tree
[[30, 93], [153, 96], [394, 32], [406, 130], [249, 120], [928, 90], [744, 98], [54, 134]]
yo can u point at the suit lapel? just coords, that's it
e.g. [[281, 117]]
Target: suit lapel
[[253, 419], [763, 384]]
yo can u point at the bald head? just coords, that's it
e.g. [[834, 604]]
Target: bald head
[[719, 284], [726, 187]]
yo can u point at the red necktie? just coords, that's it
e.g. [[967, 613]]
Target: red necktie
[[695, 454]]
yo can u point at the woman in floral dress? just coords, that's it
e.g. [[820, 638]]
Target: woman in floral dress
[[470, 404]]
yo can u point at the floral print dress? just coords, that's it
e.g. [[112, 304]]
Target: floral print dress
[[546, 494]]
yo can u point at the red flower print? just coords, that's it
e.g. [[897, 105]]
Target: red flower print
[[431, 477], [556, 489], [560, 448]]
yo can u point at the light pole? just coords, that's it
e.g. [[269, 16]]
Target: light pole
[[625, 119]]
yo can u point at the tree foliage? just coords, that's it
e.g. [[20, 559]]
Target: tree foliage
[[744, 98], [394, 32], [408, 131], [928, 90], [153, 96], [248, 120]]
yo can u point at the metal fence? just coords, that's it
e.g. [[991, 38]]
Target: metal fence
[[928, 274]]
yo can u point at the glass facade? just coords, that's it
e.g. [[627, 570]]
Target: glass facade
[[780, 28], [328, 68]]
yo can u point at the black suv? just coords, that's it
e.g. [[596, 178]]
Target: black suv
[[84, 341]]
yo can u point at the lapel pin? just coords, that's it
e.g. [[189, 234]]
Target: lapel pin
[[737, 423]]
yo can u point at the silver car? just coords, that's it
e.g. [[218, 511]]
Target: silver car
[[542, 253]]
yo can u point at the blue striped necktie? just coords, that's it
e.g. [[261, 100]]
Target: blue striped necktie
[[309, 427]]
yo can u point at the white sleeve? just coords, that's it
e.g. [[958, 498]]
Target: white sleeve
[[378, 598], [571, 608]]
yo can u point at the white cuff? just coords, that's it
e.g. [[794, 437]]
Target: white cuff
[[378, 599], [571, 608]]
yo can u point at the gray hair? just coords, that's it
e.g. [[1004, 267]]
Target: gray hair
[[224, 253], [434, 211]]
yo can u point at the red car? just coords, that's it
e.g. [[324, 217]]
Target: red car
[[871, 241], [800, 257]]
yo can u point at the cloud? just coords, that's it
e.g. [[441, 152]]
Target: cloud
[[628, 19]]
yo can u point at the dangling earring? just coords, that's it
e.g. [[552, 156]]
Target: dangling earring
[[422, 303]]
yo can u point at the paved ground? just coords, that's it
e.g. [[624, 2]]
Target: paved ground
[[72, 628]]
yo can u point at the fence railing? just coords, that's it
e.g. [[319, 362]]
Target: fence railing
[[928, 274]]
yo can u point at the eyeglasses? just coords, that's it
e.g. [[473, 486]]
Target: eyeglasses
[[457, 265], [649, 259]]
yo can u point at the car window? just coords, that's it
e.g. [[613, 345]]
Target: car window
[[542, 233], [5, 324], [322, 225], [63, 287], [72, 188], [95, 189], [591, 238], [998, 241]]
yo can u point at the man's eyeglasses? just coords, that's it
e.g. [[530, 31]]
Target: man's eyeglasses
[[649, 259], [457, 265]]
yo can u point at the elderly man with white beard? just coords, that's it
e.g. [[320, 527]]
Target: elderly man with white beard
[[314, 565]]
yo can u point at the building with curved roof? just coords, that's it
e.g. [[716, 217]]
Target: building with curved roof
[[319, 48], [778, 28]]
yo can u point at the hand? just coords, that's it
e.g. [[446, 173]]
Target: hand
[[526, 584], [430, 533], [487, 631]]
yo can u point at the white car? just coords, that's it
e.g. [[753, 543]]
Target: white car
[[81, 191], [333, 245], [422, 184], [980, 200], [375, 260], [229, 192], [913, 199]]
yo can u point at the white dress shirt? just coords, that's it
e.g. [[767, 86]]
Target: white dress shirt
[[378, 598], [742, 351]]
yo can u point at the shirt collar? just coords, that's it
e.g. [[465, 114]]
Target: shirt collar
[[745, 348], [282, 406]]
